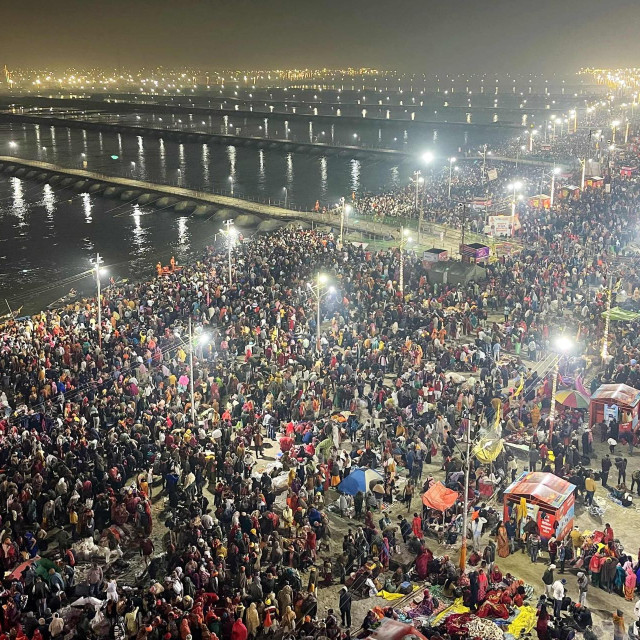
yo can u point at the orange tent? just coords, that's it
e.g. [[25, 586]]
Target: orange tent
[[439, 497]]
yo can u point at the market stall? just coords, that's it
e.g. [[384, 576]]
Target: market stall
[[435, 254], [617, 401], [594, 182], [569, 191], [548, 499], [627, 172], [474, 252], [540, 200]]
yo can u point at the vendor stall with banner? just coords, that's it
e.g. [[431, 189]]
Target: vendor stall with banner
[[548, 499], [627, 172], [540, 200], [569, 191], [617, 401], [474, 253], [594, 182]]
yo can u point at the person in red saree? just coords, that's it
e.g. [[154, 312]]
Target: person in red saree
[[492, 607], [422, 563], [542, 625], [483, 584], [416, 526], [239, 631]]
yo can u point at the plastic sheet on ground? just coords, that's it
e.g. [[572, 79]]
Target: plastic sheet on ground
[[281, 482], [456, 607], [524, 621], [395, 596]]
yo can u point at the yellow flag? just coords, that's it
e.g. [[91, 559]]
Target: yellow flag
[[520, 386]]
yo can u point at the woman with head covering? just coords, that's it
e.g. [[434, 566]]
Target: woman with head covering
[[503, 541], [629, 582], [252, 619], [288, 620], [427, 605], [385, 553]]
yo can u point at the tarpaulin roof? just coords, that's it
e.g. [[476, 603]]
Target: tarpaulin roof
[[618, 314], [621, 393], [439, 497], [545, 487], [488, 448]]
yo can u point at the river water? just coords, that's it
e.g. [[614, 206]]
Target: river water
[[248, 172], [49, 235]]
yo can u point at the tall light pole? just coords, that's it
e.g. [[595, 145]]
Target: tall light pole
[[554, 173], [562, 346], [514, 186], [605, 341], [191, 382], [319, 289], [532, 133], [202, 340], [427, 158], [583, 162], [484, 161], [345, 210], [97, 268], [405, 239], [451, 163], [230, 232], [614, 125], [463, 548]]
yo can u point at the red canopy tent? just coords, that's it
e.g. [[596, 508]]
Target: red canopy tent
[[548, 499], [439, 497]]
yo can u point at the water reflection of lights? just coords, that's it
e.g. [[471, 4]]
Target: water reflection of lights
[[206, 174], [49, 201], [323, 176], [183, 236], [18, 206], [262, 179], [163, 160], [355, 175], [87, 206], [289, 170], [141, 173], [231, 153]]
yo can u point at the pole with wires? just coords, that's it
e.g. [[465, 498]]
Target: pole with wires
[[193, 397], [463, 546], [99, 301]]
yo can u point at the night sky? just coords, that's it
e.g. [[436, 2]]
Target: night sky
[[408, 35]]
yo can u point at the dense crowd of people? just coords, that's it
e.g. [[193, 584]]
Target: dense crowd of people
[[98, 419]]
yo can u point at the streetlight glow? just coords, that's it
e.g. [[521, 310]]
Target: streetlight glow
[[563, 343], [427, 157]]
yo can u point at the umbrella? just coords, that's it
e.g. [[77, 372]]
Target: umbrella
[[572, 399], [359, 480], [378, 489]]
